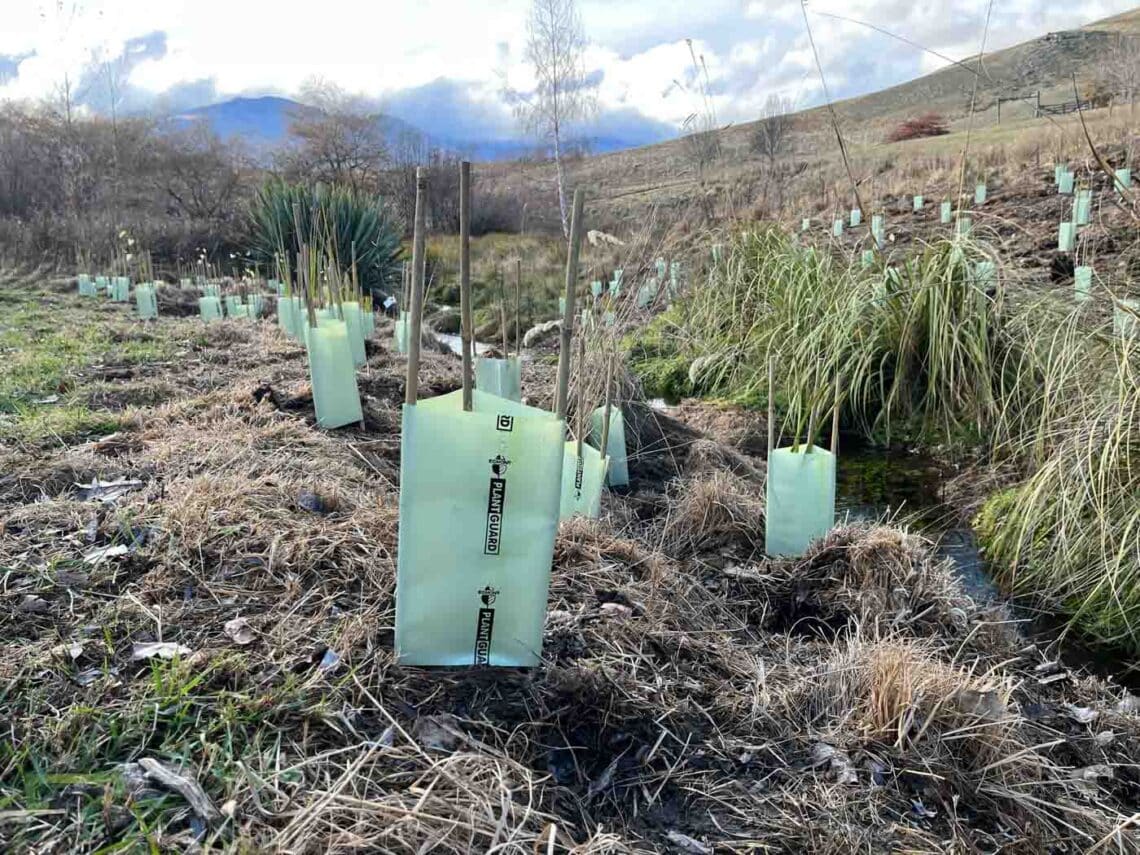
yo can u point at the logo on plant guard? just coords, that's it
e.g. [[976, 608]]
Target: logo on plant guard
[[496, 504], [485, 625], [578, 478], [504, 423]]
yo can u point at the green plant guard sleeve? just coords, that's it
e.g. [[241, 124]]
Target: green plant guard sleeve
[[1126, 318], [300, 317], [210, 308], [1082, 283], [1123, 179], [501, 377], [401, 334], [335, 396], [800, 504], [980, 194], [479, 496], [837, 228], [919, 202], [596, 288], [582, 481], [645, 294], [618, 473], [856, 217], [1065, 185], [146, 303], [285, 321], [1065, 237], [946, 213], [1082, 208], [233, 305], [355, 321]]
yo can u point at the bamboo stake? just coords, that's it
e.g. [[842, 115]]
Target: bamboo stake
[[568, 315], [811, 428], [518, 307], [605, 444], [581, 394], [419, 241], [465, 278], [356, 292], [835, 418], [771, 404], [503, 312]]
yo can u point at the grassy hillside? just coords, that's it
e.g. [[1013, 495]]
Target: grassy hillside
[[646, 187]]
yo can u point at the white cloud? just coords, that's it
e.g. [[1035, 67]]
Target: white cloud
[[380, 49]]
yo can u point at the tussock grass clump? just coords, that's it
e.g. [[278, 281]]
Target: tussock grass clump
[[913, 343], [715, 508], [1069, 535], [878, 576]]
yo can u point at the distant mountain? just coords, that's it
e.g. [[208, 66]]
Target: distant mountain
[[263, 122], [260, 122]]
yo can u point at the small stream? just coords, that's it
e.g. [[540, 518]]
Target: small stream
[[454, 343], [875, 483]]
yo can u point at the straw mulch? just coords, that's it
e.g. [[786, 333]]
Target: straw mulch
[[695, 697]]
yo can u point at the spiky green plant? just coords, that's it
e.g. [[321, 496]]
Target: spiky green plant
[[339, 217]]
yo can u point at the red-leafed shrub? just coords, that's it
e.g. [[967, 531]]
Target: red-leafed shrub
[[928, 125]]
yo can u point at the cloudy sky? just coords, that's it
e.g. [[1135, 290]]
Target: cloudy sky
[[446, 63]]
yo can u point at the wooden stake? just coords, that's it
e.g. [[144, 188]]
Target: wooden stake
[[605, 444], [811, 428], [503, 312], [581, 392], [465, 278], [835, 418], [518, 307], [419, 241], [771, 404], [568, 315]]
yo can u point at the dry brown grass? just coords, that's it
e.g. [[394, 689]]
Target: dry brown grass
[[684, 693]]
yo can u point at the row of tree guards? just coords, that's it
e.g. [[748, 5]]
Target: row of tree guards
[[498, 473], [117, 288], [1126, 312]]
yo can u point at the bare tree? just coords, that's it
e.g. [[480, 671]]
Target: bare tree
[[563, 93], [701, 135], [197, 174], [337, 139], [773, 132], [1118, 75]]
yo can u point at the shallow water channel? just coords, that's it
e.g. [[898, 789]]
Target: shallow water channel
[[873, 483], [455, 343], [876, 483]]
